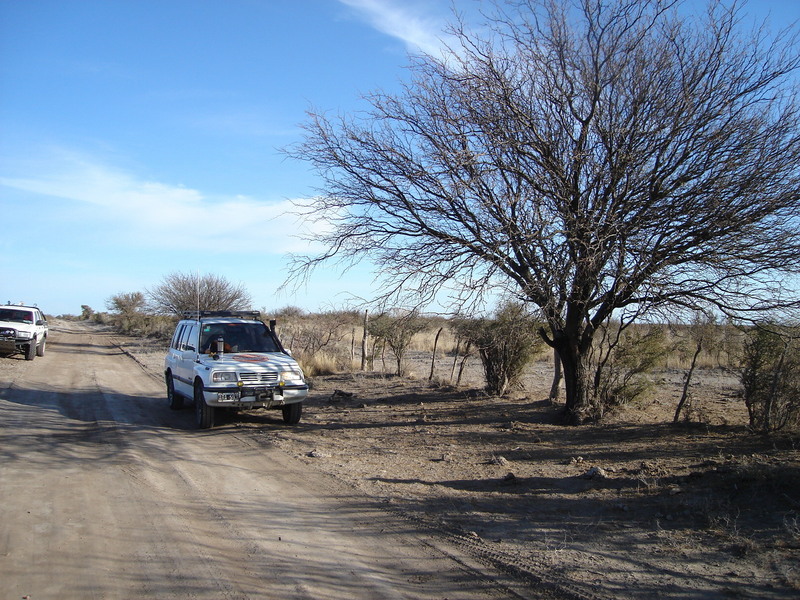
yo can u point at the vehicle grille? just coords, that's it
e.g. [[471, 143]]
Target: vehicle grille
[[248, 377]]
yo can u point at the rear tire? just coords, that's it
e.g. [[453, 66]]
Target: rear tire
[[40, 348], [204, 413], [292, 412], [175, 400]]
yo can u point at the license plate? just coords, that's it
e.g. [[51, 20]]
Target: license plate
[[227, 397]]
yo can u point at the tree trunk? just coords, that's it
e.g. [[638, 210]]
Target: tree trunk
[[364, 342], [687, 382], [576, 382], [463, 363], [433, 354], [457, 353], [555, 388]]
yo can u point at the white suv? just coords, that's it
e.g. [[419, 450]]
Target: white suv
[[231, 360], [22, 329]]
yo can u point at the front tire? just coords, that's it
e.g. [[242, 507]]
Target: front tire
[[292, 412], [175, 400], [204, 413], [30, 350]]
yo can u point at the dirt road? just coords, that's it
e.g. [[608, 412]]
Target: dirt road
[[106, 493]]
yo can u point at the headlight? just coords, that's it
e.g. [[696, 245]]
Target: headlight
[[220, 376], [24, 334], [292, 376]]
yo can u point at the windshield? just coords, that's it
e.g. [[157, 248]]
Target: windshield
[[16, 315], [237, 337]]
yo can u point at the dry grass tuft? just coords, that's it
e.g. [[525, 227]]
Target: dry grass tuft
[[320, 363]]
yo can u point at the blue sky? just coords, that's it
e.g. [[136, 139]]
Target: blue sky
[[141, 137]]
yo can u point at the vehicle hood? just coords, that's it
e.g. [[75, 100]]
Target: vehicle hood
[[267, 361], [17, 325]]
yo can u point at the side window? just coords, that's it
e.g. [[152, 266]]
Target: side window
[[177, 337], [189, 339], [184, 337]]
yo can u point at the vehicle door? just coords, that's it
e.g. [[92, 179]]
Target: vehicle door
[[185, 359], [41, 322], [173, 353]]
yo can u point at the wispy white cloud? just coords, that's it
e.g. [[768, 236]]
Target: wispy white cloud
[[118, 205], [415, 23]]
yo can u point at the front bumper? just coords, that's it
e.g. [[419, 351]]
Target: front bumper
[[254, 396], [9, 342], [8, 346]]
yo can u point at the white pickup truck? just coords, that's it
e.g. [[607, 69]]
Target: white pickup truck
[[23, 329]]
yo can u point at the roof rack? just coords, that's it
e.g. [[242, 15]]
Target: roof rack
[[234, 314], [20, 305]]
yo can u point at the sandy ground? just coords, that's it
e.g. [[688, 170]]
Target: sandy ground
[[106, 493], [634, 508]]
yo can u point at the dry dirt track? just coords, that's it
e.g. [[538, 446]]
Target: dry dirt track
[[106, 493]]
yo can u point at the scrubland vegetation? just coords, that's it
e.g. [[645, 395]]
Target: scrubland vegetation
[[627, 361]]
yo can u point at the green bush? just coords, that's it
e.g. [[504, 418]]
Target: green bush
[[771, 377], [507, 343], [622, 373]]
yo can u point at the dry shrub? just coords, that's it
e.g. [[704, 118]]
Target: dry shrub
[[321, 363], [160, 327], [425, 340], [396, 330], [722, 345], [322, 343]]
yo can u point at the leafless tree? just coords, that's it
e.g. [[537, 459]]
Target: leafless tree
[[127, 308], [126, 303], [698, 336], [397, 330], [589, 156], [179, 292]]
